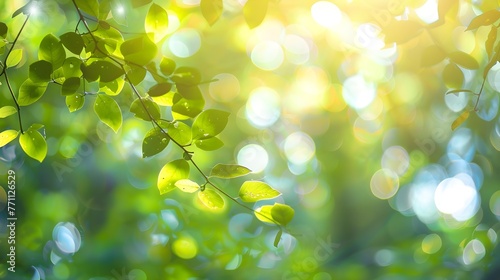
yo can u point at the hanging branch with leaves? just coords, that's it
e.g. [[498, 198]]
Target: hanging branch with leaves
[[101, 56]]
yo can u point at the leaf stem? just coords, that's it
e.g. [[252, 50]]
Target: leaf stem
[[4, 72], [155, 122]]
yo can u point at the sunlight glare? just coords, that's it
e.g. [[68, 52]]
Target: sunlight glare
[[326, 14], [357, 92], [267, 55], [263, 107], [254, 157]]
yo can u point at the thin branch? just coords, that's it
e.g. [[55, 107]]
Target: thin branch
[[155, 122], [4, 72]]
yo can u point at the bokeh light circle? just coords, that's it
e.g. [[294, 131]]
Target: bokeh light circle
[[357, 92], [384, 183], [326, 14], [299, 148], [225, 88], [185, 247], [263, 107], [267, 55], [185, 42], [254, 157]]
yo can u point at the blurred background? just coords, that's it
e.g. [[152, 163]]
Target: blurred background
[[331, 104]]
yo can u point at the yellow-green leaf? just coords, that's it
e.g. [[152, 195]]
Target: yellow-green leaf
[[278, 238], [156, 23], [264, 214], [75, 102], [492, 38], [7, 136], [211, 199], [229, 171], [14, 58], [91, 7], [108, 111], [458, 121], [282, 213], [464, 59], [52, 50], [33, 144], [6, 111], [453, 77], [30, 92], [252, 191], [255, 12], [210, 144], [187, 185], [485, 18], [171, 173], [209, 123], [154, 142], [40, 71], [211, 10]]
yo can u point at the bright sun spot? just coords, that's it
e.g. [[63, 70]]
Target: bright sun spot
[[120, 9]]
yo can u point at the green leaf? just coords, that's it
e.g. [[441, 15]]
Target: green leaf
[[455, 91], [263, 213], [252, 191], [432, 55], [140, 50], [91, 7], [211, 199], [33, 144], [138, 109], [171, 173], [464, 59], [112, 88], [6, 111], [154, 142], [483, 19], [255, 12], [136, 74], [228, 171], [14, 58], [52, 50], [73, 42], [278, 238], [104, 70], [453, 77], [167, 66], [178, 131], [7, 136], [211, 10], [189, 91], [186, 76], [3, 30], [24, 9], [282, 213], [30, 92], [75, 102], [461, 119], [186, 108], [70, 86], [140, 3], [156, 23], [71, 67], [210, 144], [187, 185], [40, 71], [492, 37], [108, 111], [159, 89], [209, 123]]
